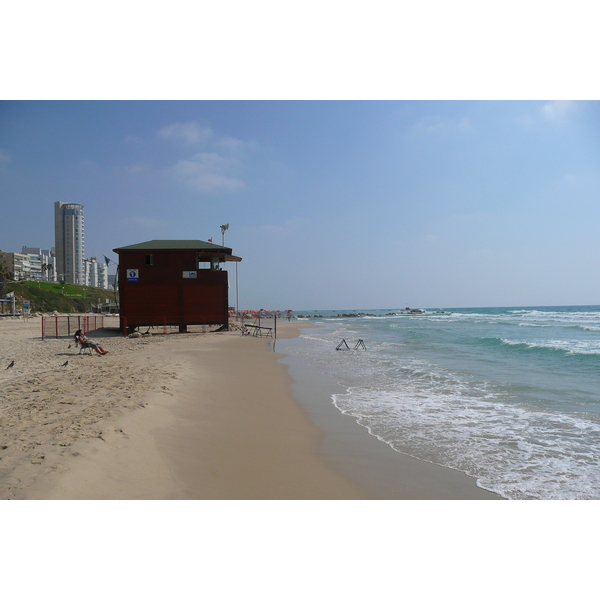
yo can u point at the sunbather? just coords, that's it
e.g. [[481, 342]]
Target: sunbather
[[81, 339]]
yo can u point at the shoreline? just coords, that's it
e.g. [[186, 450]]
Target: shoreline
[[181, 427], [382, 472]]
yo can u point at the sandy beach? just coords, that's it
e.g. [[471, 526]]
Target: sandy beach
[[187, 416]]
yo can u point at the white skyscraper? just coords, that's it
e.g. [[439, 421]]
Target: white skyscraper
[[69, 242]]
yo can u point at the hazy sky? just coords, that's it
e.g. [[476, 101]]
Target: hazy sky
[[331, 204]]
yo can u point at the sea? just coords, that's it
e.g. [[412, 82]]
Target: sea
[[509, 396]]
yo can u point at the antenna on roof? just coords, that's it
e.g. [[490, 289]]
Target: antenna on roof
[[224, 228]]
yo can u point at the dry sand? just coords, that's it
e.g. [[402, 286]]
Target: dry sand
[[191, 416]]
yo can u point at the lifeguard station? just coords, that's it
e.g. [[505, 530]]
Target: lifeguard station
[[173, 282]]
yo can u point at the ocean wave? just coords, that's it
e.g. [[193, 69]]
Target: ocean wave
[[566, 346], [497, 396], [516, 451]]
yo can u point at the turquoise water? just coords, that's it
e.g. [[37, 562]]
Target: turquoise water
[[510, 396]]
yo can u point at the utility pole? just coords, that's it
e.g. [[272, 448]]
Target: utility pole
[[224, 228]]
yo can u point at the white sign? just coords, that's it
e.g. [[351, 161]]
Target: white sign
[[133, 274], [190, 275]]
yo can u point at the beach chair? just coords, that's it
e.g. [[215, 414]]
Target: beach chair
[[84, 347]]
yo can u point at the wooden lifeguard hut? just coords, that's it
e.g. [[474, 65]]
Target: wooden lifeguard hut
[[173, 282]]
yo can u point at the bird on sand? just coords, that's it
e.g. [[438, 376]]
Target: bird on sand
[[65, 363], [69, 346], [12, 364]]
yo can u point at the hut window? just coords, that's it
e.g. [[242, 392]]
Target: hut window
[[149, 260], [203, 261]]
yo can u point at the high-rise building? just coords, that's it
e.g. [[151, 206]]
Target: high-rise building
[[69, 242]]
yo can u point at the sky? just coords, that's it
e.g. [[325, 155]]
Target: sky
[[331, 204], [427, 155]]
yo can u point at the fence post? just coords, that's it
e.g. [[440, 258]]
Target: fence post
[[56, 326], [43, 326]]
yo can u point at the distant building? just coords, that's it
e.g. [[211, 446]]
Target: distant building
[[173, 282], [103, 275], [16, 263], [90, 272], [95, 273], [43, 263], [69, 242]]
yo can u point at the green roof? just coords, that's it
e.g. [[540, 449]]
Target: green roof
[[176, 245]]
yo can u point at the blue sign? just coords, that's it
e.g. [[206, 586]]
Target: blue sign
[[133, 274]]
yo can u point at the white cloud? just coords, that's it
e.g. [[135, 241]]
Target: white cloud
[[191, 132], [557, 110], [218, 166], [235, 147], [207, 171], [429, 125]]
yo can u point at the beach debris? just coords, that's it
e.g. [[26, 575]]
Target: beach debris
[[65, 363], [12, 364]]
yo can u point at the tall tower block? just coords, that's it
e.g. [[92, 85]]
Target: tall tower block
[[69, 242]]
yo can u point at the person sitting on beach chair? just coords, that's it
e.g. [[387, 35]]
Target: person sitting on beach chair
[[85, 342], [84, 347]]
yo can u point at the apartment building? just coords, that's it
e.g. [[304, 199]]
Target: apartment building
[[95, 273], [16, 263], [43, 263], [69, 242]]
